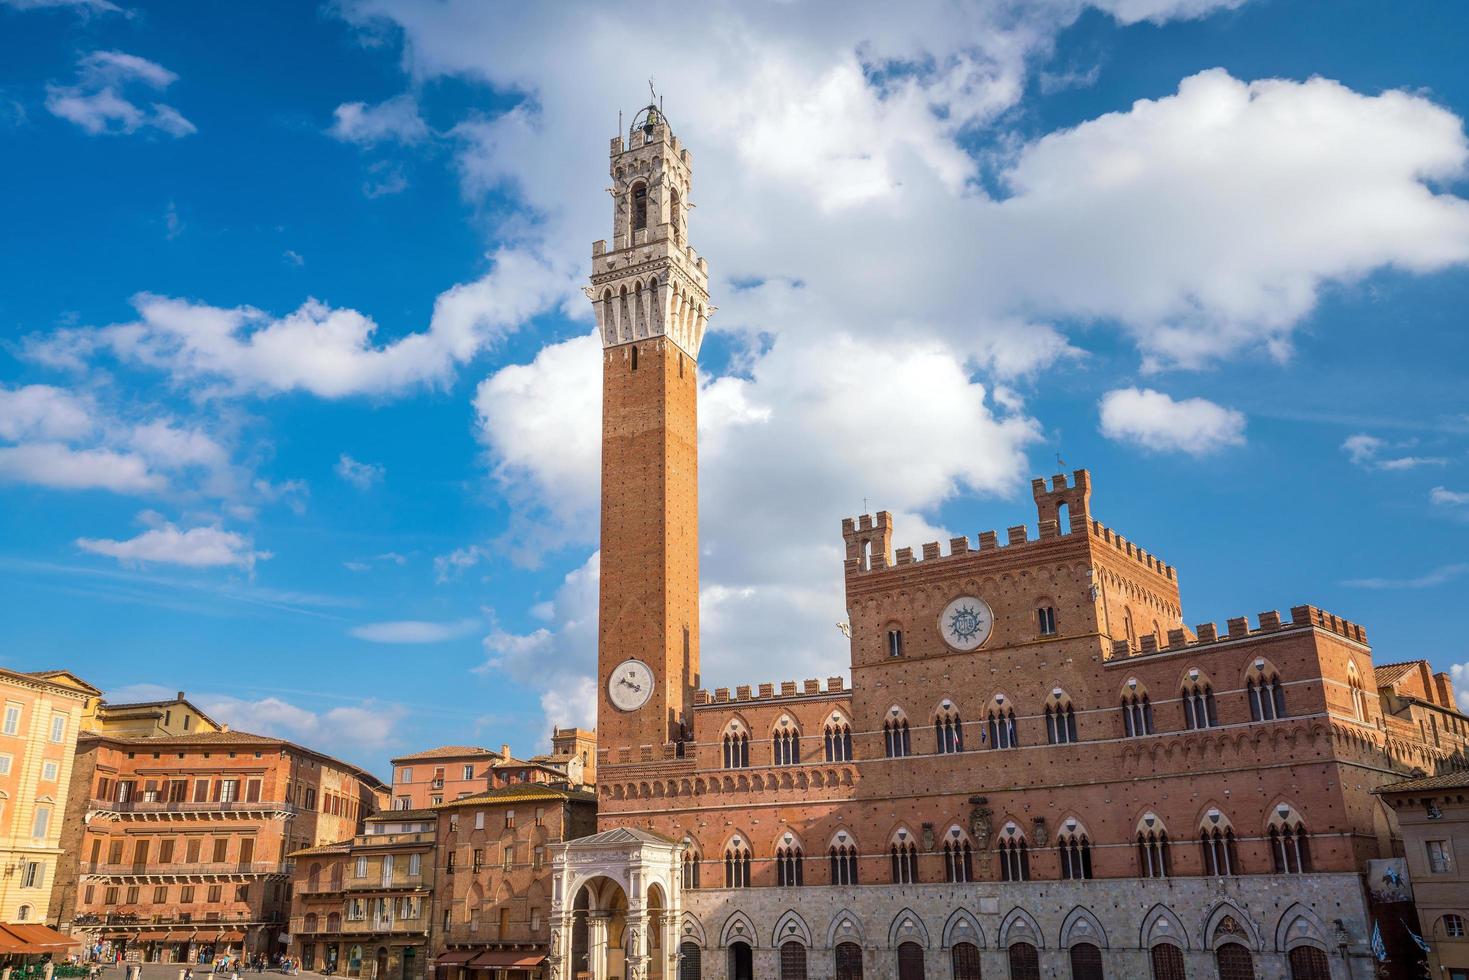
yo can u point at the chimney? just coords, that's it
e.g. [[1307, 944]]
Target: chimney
[[181, 695], [505, 751]]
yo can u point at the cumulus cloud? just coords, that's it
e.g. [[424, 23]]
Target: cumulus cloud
[[317, 349], [1444, 497], [414, 631], [363, 476], [1428, 580], [43, 412], [167, 544], [1155, 421], [1373, 453], [397, 119], [99, 102], [60, 467], [1460, 675], [84, 7], [366, 726]]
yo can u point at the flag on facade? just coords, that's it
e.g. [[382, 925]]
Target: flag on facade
[[1422, 944], [1379, 948]]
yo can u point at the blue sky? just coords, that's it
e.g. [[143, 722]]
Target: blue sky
[[298, 406]]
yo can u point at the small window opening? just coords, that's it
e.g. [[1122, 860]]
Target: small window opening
[[640, 207], [634, 358], [895, 643]]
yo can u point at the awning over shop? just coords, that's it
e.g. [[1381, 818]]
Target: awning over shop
[[451, 957], [500, 959], [21, 937]]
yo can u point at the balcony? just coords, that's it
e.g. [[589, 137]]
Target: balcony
[[222, 869], [178, 810]]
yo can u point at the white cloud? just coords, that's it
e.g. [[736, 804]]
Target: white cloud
[[52, 464], [397, 119], [357, 728], [293, 257], [1430, 579], [325, 351], [1460, 675], [83, 7], [361, 475], [43, 412], [196, 547], [97, 103], [414, 631], [1157, 422], [1370, 453], [455, 563], [1444, 497]]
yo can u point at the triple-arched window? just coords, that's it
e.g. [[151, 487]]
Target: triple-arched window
[[1290, 850], [789, 864], [1060, 720], [838, 740], [1076, 852], [1199, 710], [904, 854], [1000, 726], [785, 744], [690, 877], [1137, 710], [1216, 839], [958, 857], [736, 748], [1154, 856], [843, 855], [948, 729], [1265, 692], [737, 864], [1359, 696], [896, 741], [1014, 859]]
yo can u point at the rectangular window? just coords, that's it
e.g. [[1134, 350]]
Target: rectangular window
[[535, 920], [508, 855], [221, 849], [165, 851], [192, 850], [201, 791], [361, 869], [469, 772], [310, 798], [538, 858], [229, 790], [895, 643], [509, 819], [33, 874], [1440, 858], [12, 719], [405, 775], [247, 851], [49, 771], [242, 893], [252, 791], [415, 865], [449, 863], [132, 898], [186, 894], [436, 800], [504, 921], [540, 816], [403, 803], [216, 893], [109, 895], [5, 762], [114, 851], [89, 895], [140, 853], [478, 860], [58, 728], [160, 894], [42, 825]]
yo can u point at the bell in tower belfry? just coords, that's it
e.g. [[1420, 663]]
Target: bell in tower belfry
[[650, 293]]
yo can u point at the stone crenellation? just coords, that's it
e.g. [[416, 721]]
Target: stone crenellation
[[1238, 628], [809, 688]]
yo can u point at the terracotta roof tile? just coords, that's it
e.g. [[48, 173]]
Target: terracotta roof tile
[[446, 752], [1444, 780], [1390, 673], [520, 793]]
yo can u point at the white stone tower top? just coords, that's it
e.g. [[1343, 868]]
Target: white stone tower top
[[648, 282]]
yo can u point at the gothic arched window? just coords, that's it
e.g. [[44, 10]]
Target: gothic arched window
[[1199, 710], [789, 863], [948, 730], [736, 748], [896, 741], [958, 858], [904, 859], [785, 744], [1137, 711], [639, 206], [1290, 851], [1000, 727], [736, 865], [1265, 693], [843, 854], [1220, 857], [1014, 859], [1154, 857], [690, 868], [1060, 720], [838, 740], [1076, 853]]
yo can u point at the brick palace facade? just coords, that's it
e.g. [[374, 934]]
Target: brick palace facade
[[1038, 769]]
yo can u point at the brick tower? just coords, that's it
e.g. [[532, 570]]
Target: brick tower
[[650, 292]]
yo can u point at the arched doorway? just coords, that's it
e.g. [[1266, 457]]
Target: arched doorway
[[410, 956], [792, 961], [741, 962], [690, 965], [380, 964], [849, 961], [1167, 962], [1086, 962], [910, 962], [599, 929], [657, 915], [1309, 963], [1025, 962], [1234, 962]]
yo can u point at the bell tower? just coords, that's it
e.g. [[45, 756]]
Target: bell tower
[[650, 293]]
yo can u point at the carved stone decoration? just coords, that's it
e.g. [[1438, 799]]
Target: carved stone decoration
[[982, 826], [1038, 832], [928, 837]]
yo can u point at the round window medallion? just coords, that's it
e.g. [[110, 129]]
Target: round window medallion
[[966, 623]]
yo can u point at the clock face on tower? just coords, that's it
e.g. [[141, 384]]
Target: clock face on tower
[[966, 622], [630, 685]]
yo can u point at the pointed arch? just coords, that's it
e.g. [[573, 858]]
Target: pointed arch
[[1000, 731], [738, 928], [691, 930], [842, 856], [790, 926], [1075, 847], [1019, 926], [1081, 926], [1299, 926], [846, 927], [1154, 847], [785, 741], [1290, 850], [837, 737], [963, 927], [903, 856], [1196, 693], [897, 740], [948, 727], [907, 927], [1225, 923], [1060, 715], [1162, 925]]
